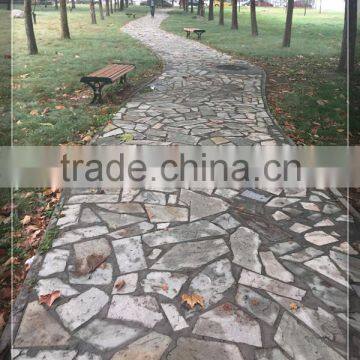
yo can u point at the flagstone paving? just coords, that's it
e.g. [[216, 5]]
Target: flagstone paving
[[273, 276]]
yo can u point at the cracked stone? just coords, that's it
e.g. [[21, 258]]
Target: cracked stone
[[89, 217], [151, 197], [213, 281], [191, 255], [320, 238], [141, 309], [116, 221], [176, 321], [200, 205], [129, 254], [284, 247], [257, 305], [160, 214], [70, 216], [130, 284], [330, 209], [93, 198], [226, 221], [47, 286], [82, 308], [164, 283], [48, 331], [274, 269], [245, 244], [54, 262], [132, 230], [230, 324], [303, 255], [123, 208], [106, 335]]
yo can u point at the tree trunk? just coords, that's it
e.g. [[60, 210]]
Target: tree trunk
[[121, 5], [254, 27], [202, 8], [320, 6], [65, 32], [126, 3], [305, 6], [221, 13], [191, 6], [211, 10], [56, 5], [92, 12], [101, 10], [29, 28], [288, 26], [234, 19], [111, 7], [187, 5], [107, 8], [8, 7], [73, 4], [347, 55]]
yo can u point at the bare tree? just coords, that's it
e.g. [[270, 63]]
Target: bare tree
[[73, 4], [65, 32], [288, 25], [92, 12], [211, 10], [254, 27], [107, 8], [56, 4], [126, 3], [121, 5], [347, 55], [221, 13], [320, 5], [29, 28], [101, 10], [234, 19], [305, 6], [111, 6], [191, 6]]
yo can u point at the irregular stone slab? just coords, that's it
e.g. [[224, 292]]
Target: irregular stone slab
[[89, 217], [106, 335], [345, 218], [176, 321], [279, 202], [129, 254], [164, 283], [93, 198], [101, 276], [295, 192], [194, 349], [129, 286], [154, 254], [200, 205], [330, 209], [226, 193], [320, 238], [50, 355], [349, 264], [149, 347], [48, 331], [151, 197], [300, 343], [245, 244], [324, 266], [274, 268], [47, 286], [54, 262], [303, 255], [279, 215], [70, 216], [274, 286], [141, 309], [213, 281], [353, 320], [284, 247], [226, 221], [128, 195], [255, 196], [320, 193], [123, 208], [72, 236], [132, 230], [345, 247], [82, 308], [299, 228], [323, 323], [187, 232], [323, 223], [270, 354], [89, 253], [225, 322], [257, 305], [191, 255], [320, 288], [87, 356], [310, 206], [167, 213], [116, 221]]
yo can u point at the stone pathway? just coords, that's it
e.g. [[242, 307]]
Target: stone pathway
[[270, 266]]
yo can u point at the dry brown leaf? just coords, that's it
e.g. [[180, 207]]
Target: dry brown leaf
[[120, 284], [26, 220], [192, 300], [59, 107], [165, 287], [87, 138], [293, 307], [2, 321], [49, 299], [254, 302], [34, 112]]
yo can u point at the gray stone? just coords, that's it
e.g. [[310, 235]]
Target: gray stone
[[300, 228], [140, 309], [130, 284], [176, 321], [226, 221], [257, 305], [70, 216], [50, 355], [82, 308], [116, 221], [154, 254], [54, 262], [284, 247], [101, 276], [255, 196], [320, 238], [105, 335], [159, 213], [303, 255], [191, 255], [123, 208], [225, 322], [270, 354], [47, 286], [89, 217], [279, 202], [132, 230], [274, 268], [330, 209], [187, 232], [39, 328], [348, 264], [279, 215], [93, 198], [151, 197], [194, 349], [245, 244], [299, 343], [213, 281]]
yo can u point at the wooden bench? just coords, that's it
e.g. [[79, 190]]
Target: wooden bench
[[108, 75], [198, 32], [129, 15]]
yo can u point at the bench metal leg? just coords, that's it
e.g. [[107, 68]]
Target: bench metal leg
[[188, 34], [199, 35], [97, 88]]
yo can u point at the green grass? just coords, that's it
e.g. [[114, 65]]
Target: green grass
[[51, 79], [304, 90]]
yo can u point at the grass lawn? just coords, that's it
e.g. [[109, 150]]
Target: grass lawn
[[50, 103], [305, 93]]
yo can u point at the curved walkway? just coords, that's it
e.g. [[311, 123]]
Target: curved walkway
[[270, 266]]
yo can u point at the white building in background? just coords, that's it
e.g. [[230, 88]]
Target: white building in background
[[330, 5]]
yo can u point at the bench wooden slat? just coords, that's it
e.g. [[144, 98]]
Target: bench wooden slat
[[110, 70]]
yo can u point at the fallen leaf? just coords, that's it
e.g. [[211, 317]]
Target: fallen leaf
[[59, 107], [49, 299], [2, 321], [293, 307], [165, 287], [120, 284], [26, 220], [254, 302], [87, 138], [192, 300], [34, 112]]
